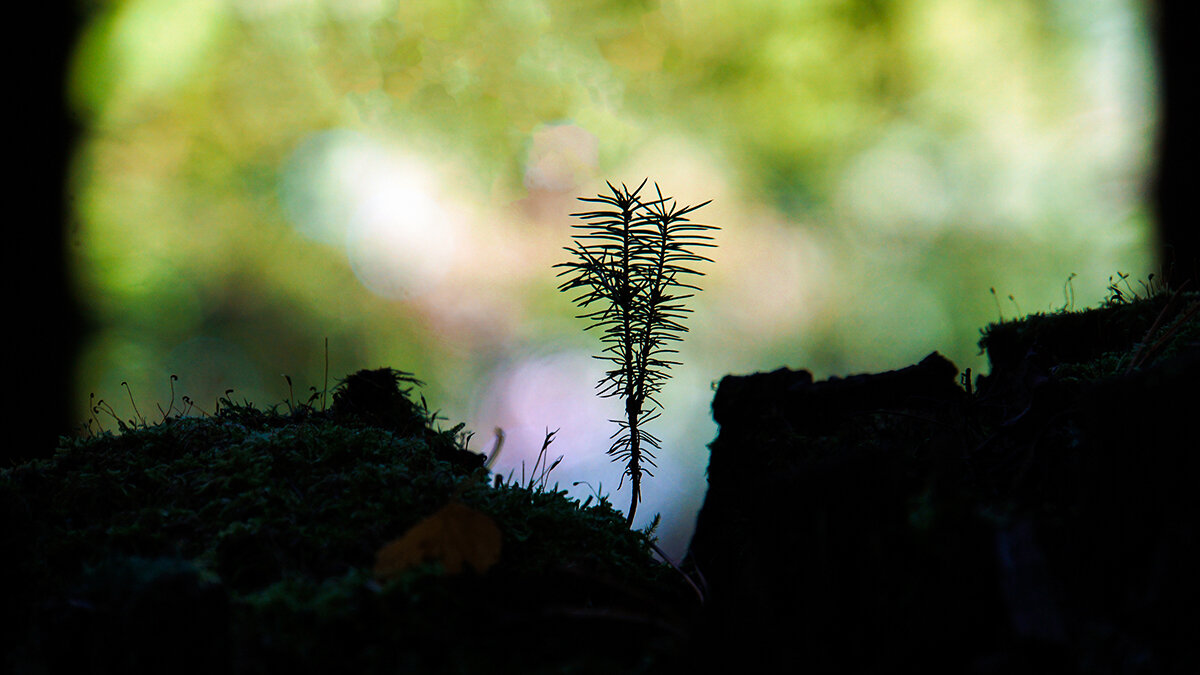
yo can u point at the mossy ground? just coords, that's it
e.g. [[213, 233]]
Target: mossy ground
[[244, 541]]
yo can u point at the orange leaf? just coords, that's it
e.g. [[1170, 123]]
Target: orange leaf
[[454, 535]]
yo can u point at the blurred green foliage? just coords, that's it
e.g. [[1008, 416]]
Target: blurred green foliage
[[877, 165]]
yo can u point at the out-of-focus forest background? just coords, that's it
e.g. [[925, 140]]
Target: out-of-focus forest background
[[252, 177]]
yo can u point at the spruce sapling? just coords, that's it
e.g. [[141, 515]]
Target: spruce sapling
[[631, 260]]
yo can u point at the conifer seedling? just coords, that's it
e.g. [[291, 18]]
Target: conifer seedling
[[632, 260]]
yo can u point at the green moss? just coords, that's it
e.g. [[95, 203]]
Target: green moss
[[1127, 332], [284, 513]]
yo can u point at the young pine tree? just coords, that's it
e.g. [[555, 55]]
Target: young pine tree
[[632, 261]]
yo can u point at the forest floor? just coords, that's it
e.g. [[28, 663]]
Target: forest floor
[[361, 537], [357, 539]]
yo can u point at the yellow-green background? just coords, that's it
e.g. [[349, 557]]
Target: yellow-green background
[[256, 176]]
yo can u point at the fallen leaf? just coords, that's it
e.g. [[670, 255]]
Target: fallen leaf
[[454, 535]]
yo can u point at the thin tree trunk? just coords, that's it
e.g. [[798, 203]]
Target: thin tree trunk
[[1178, 238]]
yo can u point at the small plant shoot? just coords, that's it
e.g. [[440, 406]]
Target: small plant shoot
[[632, 261]]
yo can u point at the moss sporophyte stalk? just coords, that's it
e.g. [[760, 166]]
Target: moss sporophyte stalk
[[631, 260]]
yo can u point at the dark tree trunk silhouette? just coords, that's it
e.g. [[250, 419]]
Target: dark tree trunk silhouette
[[1174, 183], [43, 322]]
